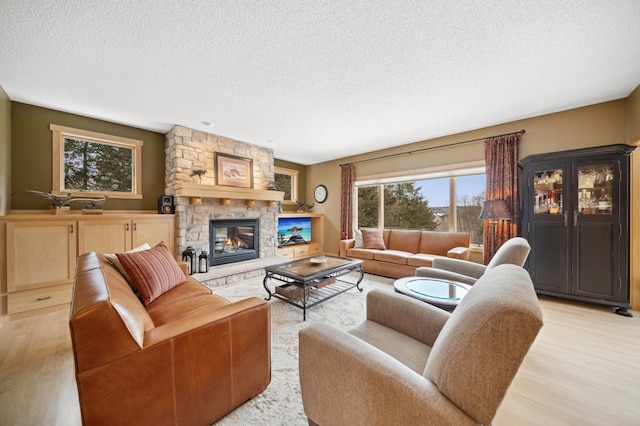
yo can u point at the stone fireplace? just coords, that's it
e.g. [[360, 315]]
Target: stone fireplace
[[198, 201]]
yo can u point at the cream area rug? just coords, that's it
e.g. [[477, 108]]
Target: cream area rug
[[280, 403]]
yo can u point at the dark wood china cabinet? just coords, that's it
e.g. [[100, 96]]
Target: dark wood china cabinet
[[576, 219]]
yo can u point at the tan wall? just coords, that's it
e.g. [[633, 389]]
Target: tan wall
[[5, 152], [5, 188], [633, 137], [302, 183], [31, 156], [595, 125], [633, 116]]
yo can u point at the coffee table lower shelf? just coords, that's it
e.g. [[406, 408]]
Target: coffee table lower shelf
[[307, 291], [315, 295]]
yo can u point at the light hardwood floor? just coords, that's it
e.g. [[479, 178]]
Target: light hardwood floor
[[583, 369]]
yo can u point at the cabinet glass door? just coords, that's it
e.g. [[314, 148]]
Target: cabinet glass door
[[595, 189], [547, 192]]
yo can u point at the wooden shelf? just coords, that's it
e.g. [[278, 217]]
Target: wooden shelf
[[196, 191]]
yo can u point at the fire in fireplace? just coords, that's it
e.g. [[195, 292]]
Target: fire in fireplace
[[233, 240]]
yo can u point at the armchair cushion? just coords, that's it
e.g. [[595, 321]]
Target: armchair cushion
[[153, 272]]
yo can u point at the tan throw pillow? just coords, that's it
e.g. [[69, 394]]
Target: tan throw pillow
[[372, 239], [153, 272]]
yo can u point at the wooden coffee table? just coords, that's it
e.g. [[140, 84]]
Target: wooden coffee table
[[309, 282], [444, 294]]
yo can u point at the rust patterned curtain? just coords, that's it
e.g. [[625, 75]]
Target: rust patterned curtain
[[347, 184], [501, 159]]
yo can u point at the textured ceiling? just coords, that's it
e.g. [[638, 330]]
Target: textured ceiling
[[318, 80]]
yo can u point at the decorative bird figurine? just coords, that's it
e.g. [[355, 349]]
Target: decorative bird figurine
[[308, 207], [58, 200], [199, 173], [66, 199], [301, 205], [92, 202]]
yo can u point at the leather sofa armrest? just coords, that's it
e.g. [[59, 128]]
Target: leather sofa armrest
[[403, 314], [367, 386], [253, 306], [346, 245], [459, 253]]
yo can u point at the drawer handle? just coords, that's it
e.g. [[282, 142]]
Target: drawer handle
[[43, 298]]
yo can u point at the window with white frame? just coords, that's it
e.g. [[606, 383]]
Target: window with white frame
[[447, 199], [91, 163]]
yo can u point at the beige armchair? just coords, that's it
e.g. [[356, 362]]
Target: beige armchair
[[514, 251], [412, 363]]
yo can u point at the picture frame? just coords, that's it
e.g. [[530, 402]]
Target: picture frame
[[232, 170]]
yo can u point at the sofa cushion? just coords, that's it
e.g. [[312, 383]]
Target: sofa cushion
[[392, 256], [175, 310], [440, 243], [153, 272], [372, 239], [421, 259], [404, 240], [362, 253]]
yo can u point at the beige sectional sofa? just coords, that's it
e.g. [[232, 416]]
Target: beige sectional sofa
[[407, 250]]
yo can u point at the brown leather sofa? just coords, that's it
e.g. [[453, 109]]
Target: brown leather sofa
[[407, 250], [188, 358]]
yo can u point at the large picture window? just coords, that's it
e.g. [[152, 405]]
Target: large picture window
[[442, 200], [91, 163]]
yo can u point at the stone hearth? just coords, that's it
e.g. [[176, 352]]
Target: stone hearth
[[187, 150]]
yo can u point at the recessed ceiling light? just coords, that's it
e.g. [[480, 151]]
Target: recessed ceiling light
[[207, 123]]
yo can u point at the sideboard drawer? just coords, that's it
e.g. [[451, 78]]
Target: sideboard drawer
[[28, 300]]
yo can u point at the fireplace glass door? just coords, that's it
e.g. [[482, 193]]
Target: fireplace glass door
[[233, 240]]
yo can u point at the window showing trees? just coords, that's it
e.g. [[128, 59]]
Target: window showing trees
[[368, 201], [93, 163], [405, 207], [286, 180], [450, 203], [97, 167]]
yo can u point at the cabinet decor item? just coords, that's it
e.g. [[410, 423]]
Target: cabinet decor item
[[576, 219]]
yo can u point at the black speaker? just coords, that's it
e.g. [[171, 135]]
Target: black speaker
[[165, 204]]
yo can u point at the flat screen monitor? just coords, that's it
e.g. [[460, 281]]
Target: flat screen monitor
[[294, 230]]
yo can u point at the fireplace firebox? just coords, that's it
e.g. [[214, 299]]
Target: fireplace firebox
[[233, 240]]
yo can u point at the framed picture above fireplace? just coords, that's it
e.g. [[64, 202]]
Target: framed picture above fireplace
[[232, 170]]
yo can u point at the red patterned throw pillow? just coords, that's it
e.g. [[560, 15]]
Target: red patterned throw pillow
[[372, 239], [153, 272]]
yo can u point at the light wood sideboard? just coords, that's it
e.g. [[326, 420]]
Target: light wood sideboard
[[41, 252]]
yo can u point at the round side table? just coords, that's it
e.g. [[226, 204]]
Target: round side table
[[444, 294]]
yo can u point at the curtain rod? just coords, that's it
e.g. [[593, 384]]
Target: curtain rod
[[433, 147]]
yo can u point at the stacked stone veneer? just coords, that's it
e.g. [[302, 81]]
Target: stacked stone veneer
[[187, 150]]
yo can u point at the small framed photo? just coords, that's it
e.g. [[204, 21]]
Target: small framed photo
[[232, 170]]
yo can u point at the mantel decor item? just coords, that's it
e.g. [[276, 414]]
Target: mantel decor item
[[494, 210], [232, 170]]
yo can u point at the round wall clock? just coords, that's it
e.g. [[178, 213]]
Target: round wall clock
[[320, 193]]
